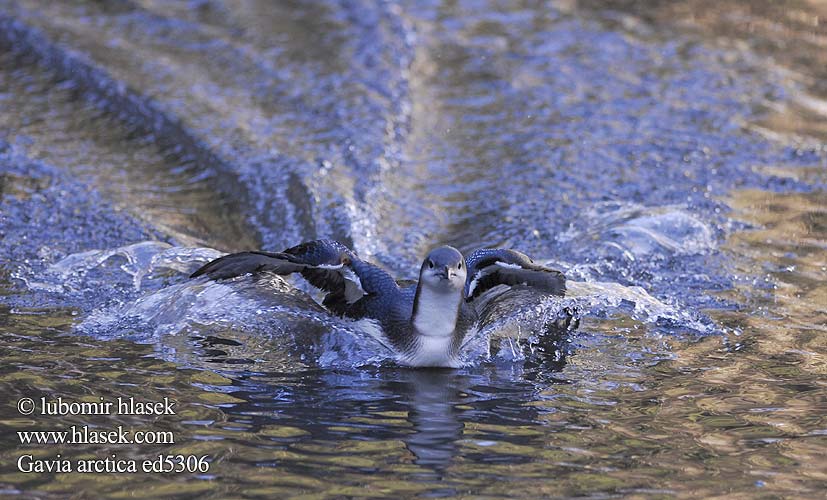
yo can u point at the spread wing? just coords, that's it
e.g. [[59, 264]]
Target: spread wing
[[489, 268], [326, 264]]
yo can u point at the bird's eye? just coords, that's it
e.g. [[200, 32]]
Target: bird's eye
[[459, 266], [431, 264]]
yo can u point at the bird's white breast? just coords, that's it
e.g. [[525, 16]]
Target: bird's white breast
[[434, 322], [431, 351], [436, 313]]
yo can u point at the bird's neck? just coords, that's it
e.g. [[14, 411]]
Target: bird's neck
[[435, 312]]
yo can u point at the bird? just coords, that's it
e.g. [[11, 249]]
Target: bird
[[425, 322]]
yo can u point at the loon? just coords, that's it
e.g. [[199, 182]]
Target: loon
[[425, 322]]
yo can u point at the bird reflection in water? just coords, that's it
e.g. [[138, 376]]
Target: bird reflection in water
[[440, 400], [430, 406]]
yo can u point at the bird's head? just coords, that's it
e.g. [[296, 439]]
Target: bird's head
[[443, 270]]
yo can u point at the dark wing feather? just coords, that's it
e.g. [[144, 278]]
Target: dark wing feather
[[323, 263], [326, 264], [239, 264], [488, 268]]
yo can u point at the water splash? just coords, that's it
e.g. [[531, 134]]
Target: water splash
[[268, 320], [139, 261], [638, 232]]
